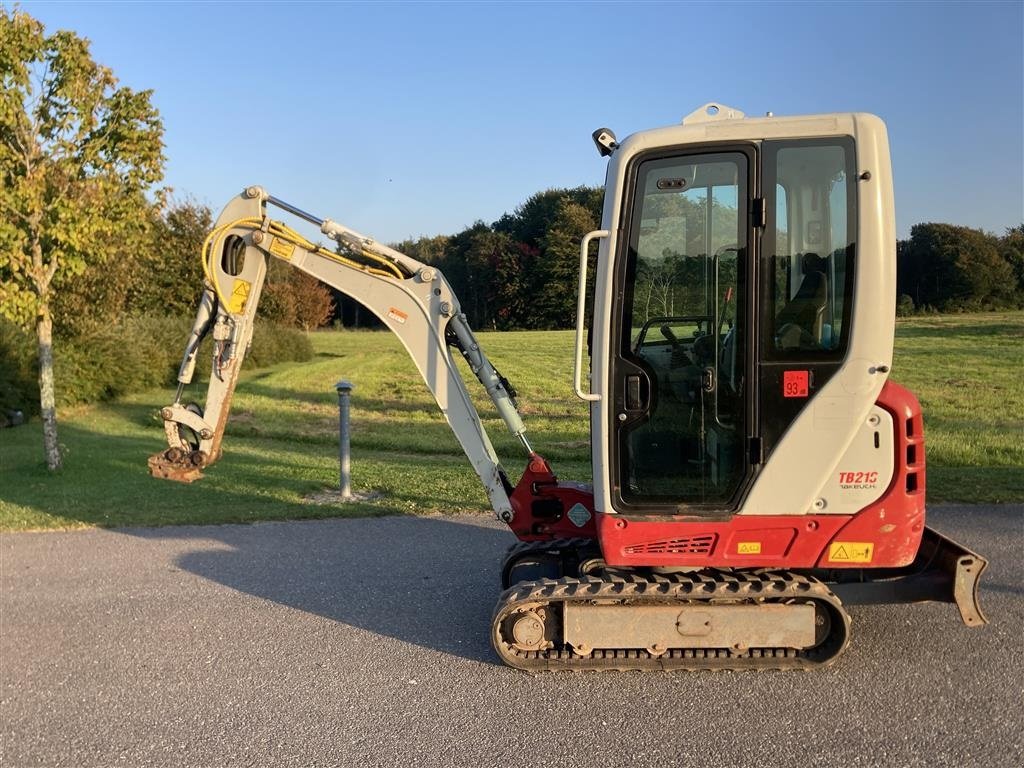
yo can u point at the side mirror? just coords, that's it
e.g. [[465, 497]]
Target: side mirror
[[605, 141]]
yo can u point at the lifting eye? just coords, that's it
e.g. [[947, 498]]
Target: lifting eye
[[232, 258]]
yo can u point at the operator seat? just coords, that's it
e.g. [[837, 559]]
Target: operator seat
[[799, 324]]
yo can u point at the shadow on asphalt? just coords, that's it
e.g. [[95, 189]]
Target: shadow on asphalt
[[430, 582], [1005, 588]]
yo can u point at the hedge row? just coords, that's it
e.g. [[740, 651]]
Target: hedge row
[[135, 354]]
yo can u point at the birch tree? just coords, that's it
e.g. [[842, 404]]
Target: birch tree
[[77, 153]]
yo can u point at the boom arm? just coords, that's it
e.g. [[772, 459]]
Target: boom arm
[[412, 299]]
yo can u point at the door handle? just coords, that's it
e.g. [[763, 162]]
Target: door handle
[[633, 401], [707, 379]]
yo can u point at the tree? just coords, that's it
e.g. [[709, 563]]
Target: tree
[[508, 296], [77, 152], [1011, 246], [103, 293], [430, 250], [558, 267], [292, 297], [953, 268], [313, 303], [172, 262], [531, 220], [474, 265], [277, 302]]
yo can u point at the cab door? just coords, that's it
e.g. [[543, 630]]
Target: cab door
[[681, 404]]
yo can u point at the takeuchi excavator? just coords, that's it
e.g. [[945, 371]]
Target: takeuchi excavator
[[755, 470]]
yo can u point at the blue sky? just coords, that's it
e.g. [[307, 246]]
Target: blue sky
[[405, 119]]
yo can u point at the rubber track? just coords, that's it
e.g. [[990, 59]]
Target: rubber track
[[685, 588]]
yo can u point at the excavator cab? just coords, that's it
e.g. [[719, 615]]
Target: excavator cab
[[721, 240]]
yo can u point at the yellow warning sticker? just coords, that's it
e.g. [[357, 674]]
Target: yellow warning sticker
[[748, 548], [850, 551], [238, 297], [282, 249]]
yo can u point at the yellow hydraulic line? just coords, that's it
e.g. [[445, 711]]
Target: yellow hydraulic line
[[291, 236], [211, 246]]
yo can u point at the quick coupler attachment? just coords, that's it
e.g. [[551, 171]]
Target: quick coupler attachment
[[178, 465]]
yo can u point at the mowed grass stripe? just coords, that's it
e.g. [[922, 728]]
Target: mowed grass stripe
[[281, 443]]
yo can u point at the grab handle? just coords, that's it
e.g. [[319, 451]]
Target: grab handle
[[577, 367]]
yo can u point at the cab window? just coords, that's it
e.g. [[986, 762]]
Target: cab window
[[810, 247]]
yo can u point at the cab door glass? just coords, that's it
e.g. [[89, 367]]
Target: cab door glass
[[680, 411]]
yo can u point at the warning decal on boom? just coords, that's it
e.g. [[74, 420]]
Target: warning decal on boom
[[239, 295], [282, 249]]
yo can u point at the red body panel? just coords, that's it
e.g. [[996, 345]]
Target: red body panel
[[895, 523], [542, 506], [885, 534], [742, 542]]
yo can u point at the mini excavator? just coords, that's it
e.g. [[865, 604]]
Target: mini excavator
[[755, 470]]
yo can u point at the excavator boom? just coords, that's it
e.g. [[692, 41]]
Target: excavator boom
[[414, 300]]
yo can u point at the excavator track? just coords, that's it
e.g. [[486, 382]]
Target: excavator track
[[681, 621]]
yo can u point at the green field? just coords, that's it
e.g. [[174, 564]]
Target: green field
[[281, 444]]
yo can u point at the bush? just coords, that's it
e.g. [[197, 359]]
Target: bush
[[293, 298], [904, 306], [132, 355], [108, 361], [273, 343], [19, 387]]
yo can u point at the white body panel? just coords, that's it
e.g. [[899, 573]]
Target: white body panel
[[864, 471], [804, 462]]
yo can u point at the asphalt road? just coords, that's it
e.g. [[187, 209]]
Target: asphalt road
[[299, 644]]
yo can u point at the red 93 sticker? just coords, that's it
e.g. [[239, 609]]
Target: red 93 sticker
[[795, 383], [852, 481]]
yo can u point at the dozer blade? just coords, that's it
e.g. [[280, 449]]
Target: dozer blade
[[943, 572]]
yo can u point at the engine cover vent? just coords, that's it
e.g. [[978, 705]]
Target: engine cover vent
[[686, 545]]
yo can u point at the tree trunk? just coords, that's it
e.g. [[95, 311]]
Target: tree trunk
[[47, 401]]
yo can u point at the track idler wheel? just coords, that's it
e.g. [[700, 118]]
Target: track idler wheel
[[529, 629]]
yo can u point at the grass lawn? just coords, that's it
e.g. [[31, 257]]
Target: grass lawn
[[968, 373], [281, 443]]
